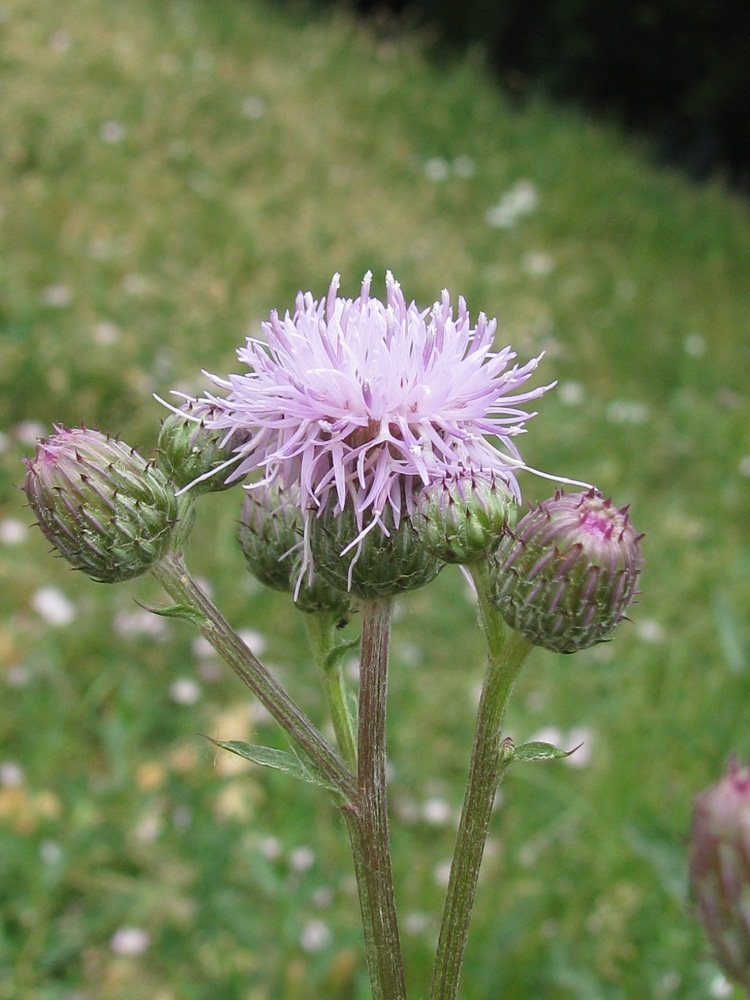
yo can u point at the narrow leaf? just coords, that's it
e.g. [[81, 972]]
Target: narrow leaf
[[183, 612], [280, 760], [536, 750]]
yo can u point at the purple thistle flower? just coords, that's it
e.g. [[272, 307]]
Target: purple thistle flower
[[365, 401]]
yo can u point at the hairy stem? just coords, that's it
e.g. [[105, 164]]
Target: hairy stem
[[368, 828]]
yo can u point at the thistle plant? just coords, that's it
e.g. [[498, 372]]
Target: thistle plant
[[720, 869], [376, 443]]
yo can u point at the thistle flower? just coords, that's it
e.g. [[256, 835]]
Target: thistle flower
[[106, 509], [364, 401], [720, 869], [568, 572]]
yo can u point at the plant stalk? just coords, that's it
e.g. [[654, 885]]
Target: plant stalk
[[183, 589], [321, 632], [490, 757], [368, 827]]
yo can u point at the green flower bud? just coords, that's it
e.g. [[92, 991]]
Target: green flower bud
[[106, 510], [193, 453], [270, 535], [565, 576], [720, 869], [271, 540], [378, 564], [462, 517]]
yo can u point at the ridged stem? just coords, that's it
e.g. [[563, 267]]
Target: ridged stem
[[368, 827]]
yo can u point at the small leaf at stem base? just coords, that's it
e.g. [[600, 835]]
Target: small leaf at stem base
[[536, 750], [280, 760], [182, 612]]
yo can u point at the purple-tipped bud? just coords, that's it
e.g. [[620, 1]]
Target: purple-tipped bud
[[376, 565], [192, 453], [566, 575], [462, 517], [720, 869], [271, 539], [106, 509]]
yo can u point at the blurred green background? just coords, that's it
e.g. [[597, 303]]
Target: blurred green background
[[171, 171]]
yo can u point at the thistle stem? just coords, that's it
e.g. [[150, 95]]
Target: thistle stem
[[368, 825], [321, 632], [490, 758], [183, 589]]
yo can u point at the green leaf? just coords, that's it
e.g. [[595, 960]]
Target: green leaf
[[336, 655], [183, 612], [536, 750], [280, 760]]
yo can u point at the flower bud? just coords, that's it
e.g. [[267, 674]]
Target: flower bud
[[106, 509], [375, 564], [462, 516], [271, 537], [565, 576], [193, 453], [719, 855]]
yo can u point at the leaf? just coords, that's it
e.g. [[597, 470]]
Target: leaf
[[338, 652], [279, 760], [536, 750], [183, 612]]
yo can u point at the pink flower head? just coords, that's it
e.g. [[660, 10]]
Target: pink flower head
[[361, 402]]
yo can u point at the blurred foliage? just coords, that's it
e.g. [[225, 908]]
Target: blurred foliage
[[679, 69], [169, 173]]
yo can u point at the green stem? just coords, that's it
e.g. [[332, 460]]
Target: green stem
[[489, 760], [321, 631], [182, 588], [368, 826]]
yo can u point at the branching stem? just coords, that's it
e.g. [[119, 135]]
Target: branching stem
[[183, 589]]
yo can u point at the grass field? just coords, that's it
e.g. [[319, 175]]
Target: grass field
[[170, 171]]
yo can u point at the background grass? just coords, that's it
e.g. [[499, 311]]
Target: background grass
[[170, 172]]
